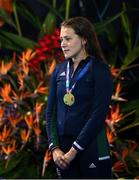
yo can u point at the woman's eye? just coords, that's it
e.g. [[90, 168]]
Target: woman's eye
[[68, 39], [65, 39]]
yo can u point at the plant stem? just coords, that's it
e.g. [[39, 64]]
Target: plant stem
[[67, 9], [54, 3], [16, 19]]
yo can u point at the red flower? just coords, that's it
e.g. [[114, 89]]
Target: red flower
[[49, 49]]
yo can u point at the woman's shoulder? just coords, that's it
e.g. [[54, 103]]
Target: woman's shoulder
[[61, 64], [60, 67], [100, 68], [98, 64]]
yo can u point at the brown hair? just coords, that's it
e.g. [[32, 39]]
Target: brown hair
[[85, 29]]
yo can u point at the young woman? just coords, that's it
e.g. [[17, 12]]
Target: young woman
[[79, 98]]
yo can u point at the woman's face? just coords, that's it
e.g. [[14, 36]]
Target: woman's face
[[72, 45]]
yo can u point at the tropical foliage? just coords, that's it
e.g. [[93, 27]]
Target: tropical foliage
[[25, 70], [23, 96]]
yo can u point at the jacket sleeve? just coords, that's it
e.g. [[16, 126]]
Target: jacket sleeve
[[101, 100], [51, 124]]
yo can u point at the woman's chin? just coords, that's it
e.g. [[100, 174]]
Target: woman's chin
[[67, 56]]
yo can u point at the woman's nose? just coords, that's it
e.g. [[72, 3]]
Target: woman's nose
[[63, 43]]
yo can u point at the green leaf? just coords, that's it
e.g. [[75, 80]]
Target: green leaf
[[130, 57], [52, 10], [100, 27], [135, 124], [6, 43], [133, 105], [14, 161], [49, 24], [67, 9], [18, 166], [130, 112], [28, 13], [22, 42], [126, 26], [6, 18]]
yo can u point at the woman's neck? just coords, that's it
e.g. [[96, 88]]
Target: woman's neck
[[76, 61]]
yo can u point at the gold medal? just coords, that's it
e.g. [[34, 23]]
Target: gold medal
[[69, 99]]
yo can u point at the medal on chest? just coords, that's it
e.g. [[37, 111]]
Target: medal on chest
[[69, 99]]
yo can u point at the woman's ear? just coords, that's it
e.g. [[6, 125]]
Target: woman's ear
[[84, 42]]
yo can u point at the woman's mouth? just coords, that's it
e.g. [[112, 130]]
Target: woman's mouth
[[65, 50]]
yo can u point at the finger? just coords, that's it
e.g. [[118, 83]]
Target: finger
[[62, 164], [65, 160]]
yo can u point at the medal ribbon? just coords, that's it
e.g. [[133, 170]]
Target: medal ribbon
[[81, 74]]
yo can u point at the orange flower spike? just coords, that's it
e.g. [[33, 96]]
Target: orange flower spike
[[21, 96], [5, 91], [2, 109], [116, 96], [4, 68], [26, 94], [111, 126], [5, 133], [48, 156], [29, 120], [26, 69], [118, 89], [37, 129], [15, 96], [14, 120], [115, 117], [110, 135], [24, 135], [115, 71], [10, 148], [1, 138], [47, 159], [118, 166], [132, 145], [20, 80], [52, 67], [41, 89], [27, 55], [125, 153], [115, 114], [38, 107]]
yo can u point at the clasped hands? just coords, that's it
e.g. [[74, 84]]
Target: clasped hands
[[62, 159]]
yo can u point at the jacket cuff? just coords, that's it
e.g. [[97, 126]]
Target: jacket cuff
[[76, 146], [52, 147]]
